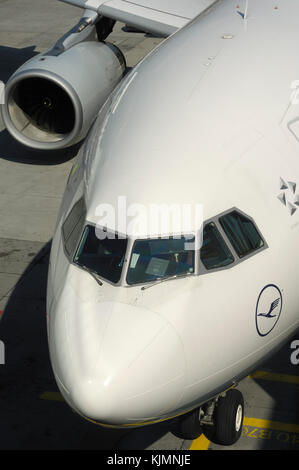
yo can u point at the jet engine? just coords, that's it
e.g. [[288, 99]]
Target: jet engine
[[53, 99]]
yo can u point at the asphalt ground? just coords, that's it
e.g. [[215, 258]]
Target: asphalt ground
[[33, 414]]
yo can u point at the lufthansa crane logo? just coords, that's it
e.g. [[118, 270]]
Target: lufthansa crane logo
[[268, 309]]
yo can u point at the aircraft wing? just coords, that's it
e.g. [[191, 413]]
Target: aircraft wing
[[155, 16]]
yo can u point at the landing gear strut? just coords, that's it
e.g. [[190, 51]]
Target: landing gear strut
[[224, 414]]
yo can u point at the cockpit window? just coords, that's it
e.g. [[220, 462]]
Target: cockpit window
[[103, 257], [160, 258], [214, 253], [73, 226], [241, 233]]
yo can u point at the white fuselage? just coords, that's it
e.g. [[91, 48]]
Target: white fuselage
[[204, 119]]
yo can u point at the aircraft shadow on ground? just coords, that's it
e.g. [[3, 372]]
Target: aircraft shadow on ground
[[12, 58], [285, 407], [13, 151], [28, 421]]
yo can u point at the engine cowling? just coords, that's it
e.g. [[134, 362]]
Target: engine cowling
[[52, 100]]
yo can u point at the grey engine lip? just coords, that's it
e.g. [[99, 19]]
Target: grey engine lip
[[70, 138]]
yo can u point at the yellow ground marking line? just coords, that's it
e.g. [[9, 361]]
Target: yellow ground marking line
[[53, 396], [275, 425], [264, 375], [201, 443]]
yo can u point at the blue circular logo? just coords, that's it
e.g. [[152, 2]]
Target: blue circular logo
[[268, 309]]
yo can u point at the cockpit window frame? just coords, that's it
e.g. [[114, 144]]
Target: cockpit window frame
[[152, 281], [199, 267], [127, 253], [237, 259], [81, 220], [223, 240], [252, 250]]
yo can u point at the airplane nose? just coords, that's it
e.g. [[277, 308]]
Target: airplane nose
[[89, 399], [121, 363]]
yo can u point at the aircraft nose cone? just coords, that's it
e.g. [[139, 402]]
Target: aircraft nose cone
[[89, 399], [121, 363]]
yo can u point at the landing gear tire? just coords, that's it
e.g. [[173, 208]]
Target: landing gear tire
[[189, 425], [228, 418]]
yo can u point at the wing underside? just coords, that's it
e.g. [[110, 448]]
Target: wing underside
[[155, 16]]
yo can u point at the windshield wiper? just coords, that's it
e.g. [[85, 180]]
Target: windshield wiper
[[164, 279], [93, 274]]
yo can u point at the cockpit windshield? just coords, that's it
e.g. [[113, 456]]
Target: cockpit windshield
[[160, 258], [103, 257]]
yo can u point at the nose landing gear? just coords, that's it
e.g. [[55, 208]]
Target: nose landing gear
[[224, 415], [228, 419]]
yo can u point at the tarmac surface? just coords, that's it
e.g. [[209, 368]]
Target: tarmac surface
[[33, 414]]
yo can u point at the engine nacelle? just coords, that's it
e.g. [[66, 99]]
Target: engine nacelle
[[53, 99]]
